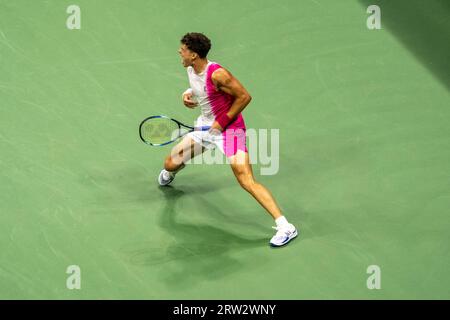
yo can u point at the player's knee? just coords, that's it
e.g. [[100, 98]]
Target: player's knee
[[246, 182]]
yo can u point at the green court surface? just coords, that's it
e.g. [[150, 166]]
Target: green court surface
[[364, 172]]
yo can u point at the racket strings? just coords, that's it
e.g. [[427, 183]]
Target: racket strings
[[160, 130]]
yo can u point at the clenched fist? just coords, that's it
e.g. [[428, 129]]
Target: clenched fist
[[188, 100]]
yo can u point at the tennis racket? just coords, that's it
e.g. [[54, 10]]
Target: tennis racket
[[162, 130]]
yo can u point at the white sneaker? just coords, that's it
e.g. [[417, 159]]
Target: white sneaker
[[165, 177], [284, 234]]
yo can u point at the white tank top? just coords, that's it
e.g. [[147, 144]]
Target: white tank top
[[212, 102], [198, 85]]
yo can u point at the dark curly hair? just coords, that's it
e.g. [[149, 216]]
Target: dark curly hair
[[197, 42]]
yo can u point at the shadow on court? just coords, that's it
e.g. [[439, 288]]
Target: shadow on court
[[201, 251], [423, 27]]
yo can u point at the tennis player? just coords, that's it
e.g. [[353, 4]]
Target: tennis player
[[221, 98]]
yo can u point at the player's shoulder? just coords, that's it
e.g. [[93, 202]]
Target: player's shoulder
[[220, 72], [214, 65]]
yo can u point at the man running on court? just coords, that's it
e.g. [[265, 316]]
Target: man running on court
[[221, 98]]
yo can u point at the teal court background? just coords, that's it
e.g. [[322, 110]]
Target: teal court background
[[364, 151]]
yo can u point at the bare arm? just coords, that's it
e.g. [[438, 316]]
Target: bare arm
[[226, 82]]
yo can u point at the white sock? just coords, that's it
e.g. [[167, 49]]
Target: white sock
[[173, 172], [281, 221]]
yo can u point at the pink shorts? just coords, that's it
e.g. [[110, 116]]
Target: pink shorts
[[229, 141]]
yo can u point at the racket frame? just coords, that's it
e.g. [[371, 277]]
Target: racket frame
[[180, 124]]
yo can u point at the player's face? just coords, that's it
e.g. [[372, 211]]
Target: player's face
[[187, 56]]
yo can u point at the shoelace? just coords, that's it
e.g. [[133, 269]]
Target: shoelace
[[281, 232]]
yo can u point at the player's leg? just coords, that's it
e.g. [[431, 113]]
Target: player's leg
[[179, 155], [244, 174], [242, 169]]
